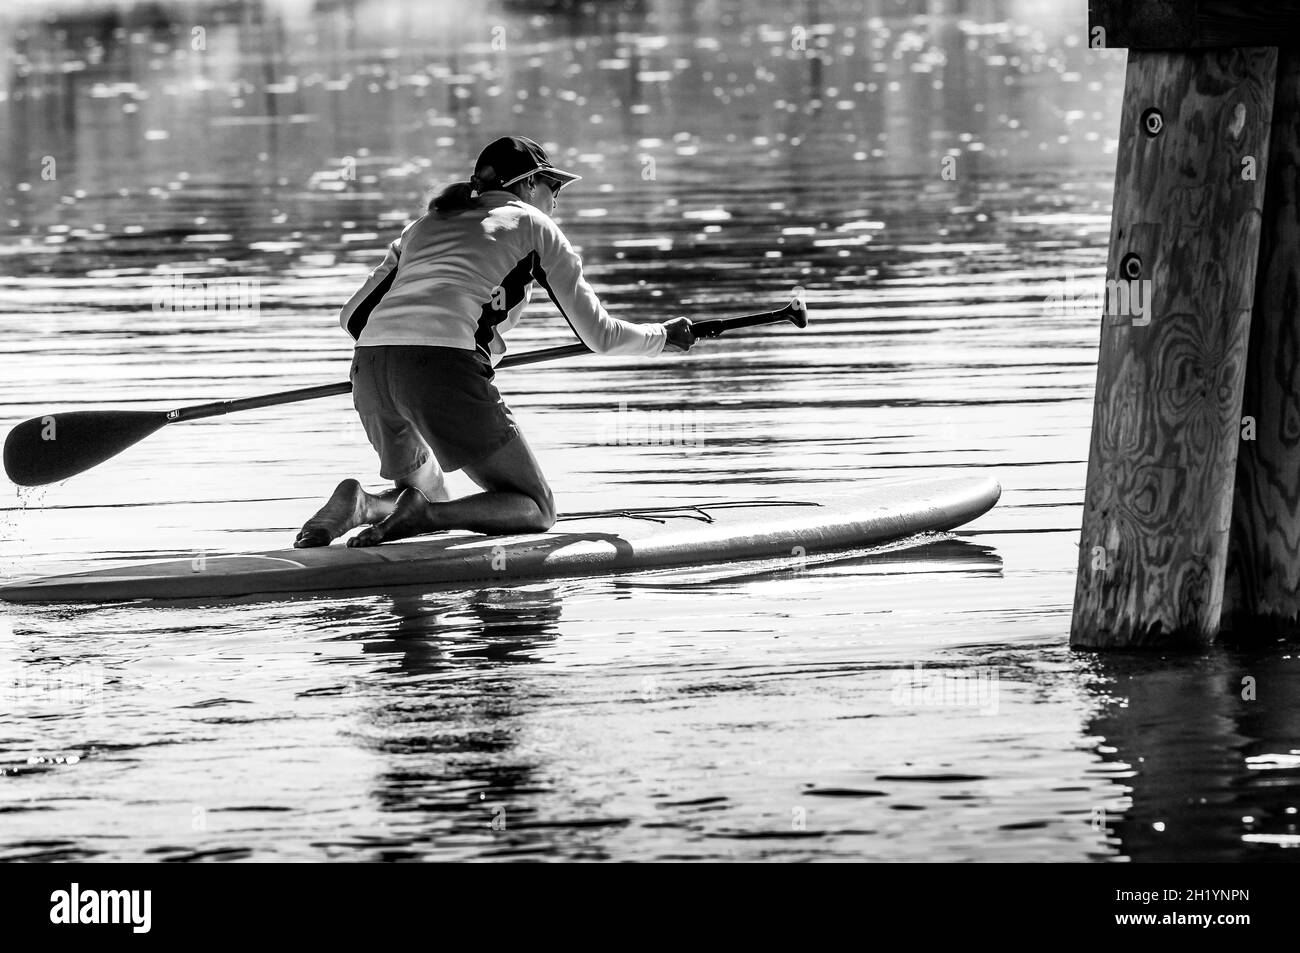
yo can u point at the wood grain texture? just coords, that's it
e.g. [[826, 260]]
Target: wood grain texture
[[1262, 590], [1195, 24], [1153, 549]]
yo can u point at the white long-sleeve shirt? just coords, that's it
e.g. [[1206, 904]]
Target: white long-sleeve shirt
[[462, 280]]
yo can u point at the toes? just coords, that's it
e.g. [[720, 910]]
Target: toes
[[313, 534], [367, 537]]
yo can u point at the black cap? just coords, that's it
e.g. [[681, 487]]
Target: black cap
[[507, 160]]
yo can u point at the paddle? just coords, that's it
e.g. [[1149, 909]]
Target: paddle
[[54, 447]]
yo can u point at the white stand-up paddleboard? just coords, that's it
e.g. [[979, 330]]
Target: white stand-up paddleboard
[[591, 545]]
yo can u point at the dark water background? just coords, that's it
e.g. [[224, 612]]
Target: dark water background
[[670, 716]]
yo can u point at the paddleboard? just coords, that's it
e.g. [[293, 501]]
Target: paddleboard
[[592, 544]]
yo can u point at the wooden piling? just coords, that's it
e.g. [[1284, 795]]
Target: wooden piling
[[1195, 24], [1165, 435], [1262, 592]]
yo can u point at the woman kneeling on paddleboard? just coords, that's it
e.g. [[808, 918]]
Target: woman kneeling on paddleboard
[[428, 325]]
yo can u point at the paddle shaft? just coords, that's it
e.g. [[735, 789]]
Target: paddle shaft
[[344, 387], [711, 328], [54, 447]]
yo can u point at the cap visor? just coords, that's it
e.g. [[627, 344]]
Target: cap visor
[[564, 177]]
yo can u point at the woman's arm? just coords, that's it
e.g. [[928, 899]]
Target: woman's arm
[[558, 269]]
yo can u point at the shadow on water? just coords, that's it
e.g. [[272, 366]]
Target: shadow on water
[[444, 714], [460, 708], [483, 629], [1203, 752]]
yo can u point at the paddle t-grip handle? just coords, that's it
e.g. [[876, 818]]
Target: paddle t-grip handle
[[794, 312]]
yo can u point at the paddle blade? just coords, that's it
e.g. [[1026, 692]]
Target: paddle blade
[[797, 312], [56, 446]]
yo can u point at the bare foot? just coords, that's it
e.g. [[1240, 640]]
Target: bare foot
[[412, 515], [346, 509]]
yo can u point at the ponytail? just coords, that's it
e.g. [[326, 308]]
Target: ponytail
[[459, 196], [456, 197]]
